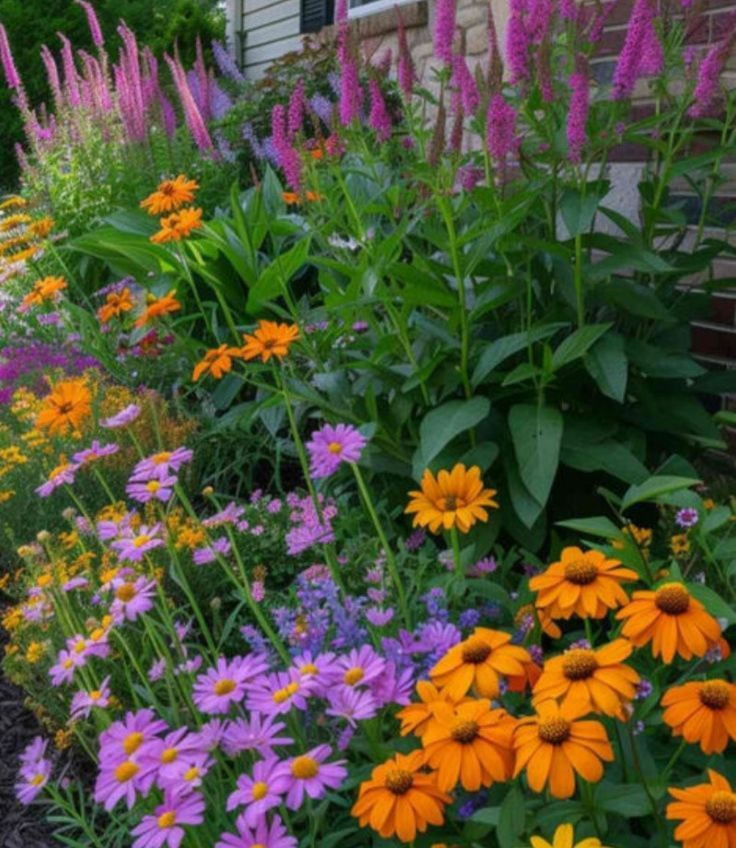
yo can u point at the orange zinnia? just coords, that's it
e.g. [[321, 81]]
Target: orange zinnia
[[454, 499], [470, 744], [415, 717], [478, 662], [702, 711], [584, 583], [170, 195], [177, 226], [157, 307], [67, 405], [707, 813], [269, 339], [553, 747], [596, 678], [672, 620], [43, 290], [401, 799], [217, 362], [116, 303]]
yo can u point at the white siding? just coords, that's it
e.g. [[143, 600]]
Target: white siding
[[271, 29]]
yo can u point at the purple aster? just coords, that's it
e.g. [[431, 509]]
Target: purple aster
[[351, 704], [395, 686], [172, 756], [157, 670], [95, 451], [160, 465], [123, 418], [220, 687], [33, 776], [359, 667], [379, 617], [210, 734], [687, 517], [220, 547], [74, 583], [132, 599], [319, 669], [83, 702], [123, 780], [136, 544], [164, 827], [329, 446], [62, 475], [258, 733], [160, 489], [277, 693], [274, 835], [487, 565], [230, 514], [125, 738], [63, 670], [262, 791], [83, 647], [310, 775]]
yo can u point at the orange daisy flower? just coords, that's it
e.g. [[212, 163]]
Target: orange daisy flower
[[702, 711], [401, 799], [470, 744], [478, 662], [177, 226], [170, 195], [43, 290], [217, 362], [415, 717], [269, 339], [597, 679], [672, 620], [583, 583], [65, 407], [707, 813], [156, 307], [115, 305], [454, 499], [553, 747]]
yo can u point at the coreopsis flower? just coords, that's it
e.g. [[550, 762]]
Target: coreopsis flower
[[330, 446], [478, 663], [157, 307], [269, 339], [416, 716], [453, 499], [170, 195], [262, 791], [273, 835], [596, 678], [707, 813], [401, 798], [564, 837], [641, 536], [703, 712], [679, 544], [178, 226], [66, 407], [43, 290], [672, 620], [225, 684], [310, 774], [164, 826], [469, 744], [116, 304], [217, 362], [553, 746], [583, 583]]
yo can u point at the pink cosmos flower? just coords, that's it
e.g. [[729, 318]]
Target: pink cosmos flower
[[311, 775], [134, 545], [132, 599], [62, 476], [226, 684], [274, 694], [123, 418], [259, 733], [94, 452], [274, 835], [83, 702], [164, 827], [157, 488], [126, 738], [261, 792], [329, 446]]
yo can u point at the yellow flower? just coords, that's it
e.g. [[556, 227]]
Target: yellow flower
[[178, 226], [680, 544], [12, 619], [565, 838], [453, 499], [269, 339], [157, 307], [63, 739], [709, 503], [7, 495], [642, 537], [34, 652]]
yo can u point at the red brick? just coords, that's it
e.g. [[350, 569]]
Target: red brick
[[713, 340]]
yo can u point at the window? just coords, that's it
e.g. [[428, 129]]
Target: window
[[315, 14], [361, 8]]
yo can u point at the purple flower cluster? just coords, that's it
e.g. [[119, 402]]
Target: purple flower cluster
[[34, 773], [27, 365]]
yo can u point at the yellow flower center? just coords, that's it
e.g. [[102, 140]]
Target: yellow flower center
[[579, 664], [260, 790], [721, 807], [167, 819], [581, 572], [353, 675], [672, 598], [44, 580], [308, 668], [399, 781], [132, 742], [97, 634], [161, 458], [126, 592], [67, 664], [465, 732], [224, 687], [37, 780], [554, 730], [476, 651], [80, 647], [169, 755], [280, 695], [153, 486], [95, 694], [715, 694], [191, 773], [141, 540], [304, 767], [126, 771], [334, 447]]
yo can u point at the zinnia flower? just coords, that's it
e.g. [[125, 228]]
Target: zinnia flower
[[597, 679], [553, 747], [454, 499], [115, 305], [581, 583], [42, 291], [672, 620], [269, 339], [702, 711], [66, 407], [217, 361], [400, 798], [470, 744], [330, 446], [565, 838], [157, 307], [707, 813], [178, 226], [170, 195]]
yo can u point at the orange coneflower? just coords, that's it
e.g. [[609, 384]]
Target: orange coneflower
[[672, 620], [595, 678], [177, 226], [67, 405], [415, 717], [479, 661], [170, 195], [269, 339], [470, 744], [158, 306], [116, 303], [454, 499], [553, 747], [43, 290], [401, 799], [584, 583], [702, 711], [217, 362], [707, 813]]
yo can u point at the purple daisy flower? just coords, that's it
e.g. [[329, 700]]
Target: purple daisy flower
[[351, 704], [134, 545], [687, 517], [83, 702], [94, 452], [329, 446], [32, 779], [123, 781], [278, 693], [172, 756], [123, 739], [274, 835], [123, 418], [220, 687], [160, 465], [132, 599], [359, 667], [208, 554], [66, 664], [157, 488], [310, 775], [164, 827], [63, 475], [319, 669], [261, 792], [258, 733]]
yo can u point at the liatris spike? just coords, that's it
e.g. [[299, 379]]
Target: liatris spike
[[495, 62], [341, 19], [500, 128], [192, 115], [12, 77], [94, 24], [628, 67], [405, 71], [71, 78], [444, 30], [379, 119], [464, 84], [707, 86], [518, 42], [204, 83], [577, 116], [288, 157], [351, 94], [52, 75], [295, 115]]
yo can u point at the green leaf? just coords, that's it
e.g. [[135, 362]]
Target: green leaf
[[501, 349], [440, 426], [609, 456], [655, 486], [536, 432], [527, 508], [629, 800], [597, 526], [608, 366], [277, 275], [576, 344], [578, 210], [511, 819]]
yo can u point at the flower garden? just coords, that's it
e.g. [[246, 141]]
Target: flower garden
[[356, 477]]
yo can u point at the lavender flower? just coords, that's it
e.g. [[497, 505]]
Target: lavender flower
[[687, 517]]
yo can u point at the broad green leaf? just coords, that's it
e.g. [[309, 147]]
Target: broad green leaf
[[578, 210], [440, 426], [597, 526], [526, 507], [576, 344], [608, 366], [277, 275], [609, 456], [536, 432], [629, 800], [652, 488], [511, 819], [501, 349]]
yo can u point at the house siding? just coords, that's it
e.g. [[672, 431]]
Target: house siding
[[269, 30]]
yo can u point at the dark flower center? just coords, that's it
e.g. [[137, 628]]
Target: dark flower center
[[465, 732], [399, 781], [672, 598], [579, 664], [715, 694], [721, 807], [554, 731], [476, 651], [580, 572]]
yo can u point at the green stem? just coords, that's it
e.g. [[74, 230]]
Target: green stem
[[455, 539]]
